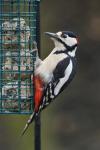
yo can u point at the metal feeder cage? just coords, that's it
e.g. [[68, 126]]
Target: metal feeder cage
[[19, 20]]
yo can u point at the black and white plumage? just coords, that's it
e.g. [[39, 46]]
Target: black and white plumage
[[56, 71]]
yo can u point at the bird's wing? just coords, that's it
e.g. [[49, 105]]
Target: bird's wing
[[62, 74], [59, 71]]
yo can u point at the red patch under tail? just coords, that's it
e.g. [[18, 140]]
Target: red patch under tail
[[38, 92]]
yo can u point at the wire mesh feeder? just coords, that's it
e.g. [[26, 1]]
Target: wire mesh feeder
[[17, 32]]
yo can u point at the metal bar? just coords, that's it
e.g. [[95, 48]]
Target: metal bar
[[38, 133], [38, 119], [1, 57]]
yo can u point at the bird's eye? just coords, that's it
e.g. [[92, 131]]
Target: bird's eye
[[63, 35]]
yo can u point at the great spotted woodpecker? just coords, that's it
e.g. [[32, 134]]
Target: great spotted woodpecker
[[55, 72]]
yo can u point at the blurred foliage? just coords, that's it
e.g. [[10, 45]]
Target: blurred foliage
[[72, 122]]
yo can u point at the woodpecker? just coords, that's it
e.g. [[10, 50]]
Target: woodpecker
[[55, 72]]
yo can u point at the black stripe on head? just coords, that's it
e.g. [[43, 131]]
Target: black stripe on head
[[69, 48]]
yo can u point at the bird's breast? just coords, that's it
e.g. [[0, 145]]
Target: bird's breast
[[45, 70]]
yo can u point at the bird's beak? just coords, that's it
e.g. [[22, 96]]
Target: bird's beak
[[52, 35]]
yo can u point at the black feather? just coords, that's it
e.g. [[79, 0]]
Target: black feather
[[59, 71]]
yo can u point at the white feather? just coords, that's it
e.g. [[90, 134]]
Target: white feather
[[45, 70]]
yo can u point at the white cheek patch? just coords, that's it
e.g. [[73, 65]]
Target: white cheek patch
[[70, 41]]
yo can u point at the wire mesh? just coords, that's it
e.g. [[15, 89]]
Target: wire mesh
[[17, 32]]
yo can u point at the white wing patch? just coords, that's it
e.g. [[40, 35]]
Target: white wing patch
[[64, 79]]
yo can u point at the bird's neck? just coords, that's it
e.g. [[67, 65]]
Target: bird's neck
[[57, 47], [59, 51], [72, 53]]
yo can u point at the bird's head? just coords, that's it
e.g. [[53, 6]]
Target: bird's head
[[64, 40]]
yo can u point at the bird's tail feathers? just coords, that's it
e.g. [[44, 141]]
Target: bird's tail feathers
[[31, 118]]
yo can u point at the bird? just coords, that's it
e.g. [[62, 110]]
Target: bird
[[54, 73]]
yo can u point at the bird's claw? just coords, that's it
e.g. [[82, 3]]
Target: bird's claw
[[34, 47]]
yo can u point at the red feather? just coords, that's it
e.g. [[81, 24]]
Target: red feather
[[38, 92]]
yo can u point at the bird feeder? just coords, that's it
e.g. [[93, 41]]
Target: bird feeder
[[19, 27]]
